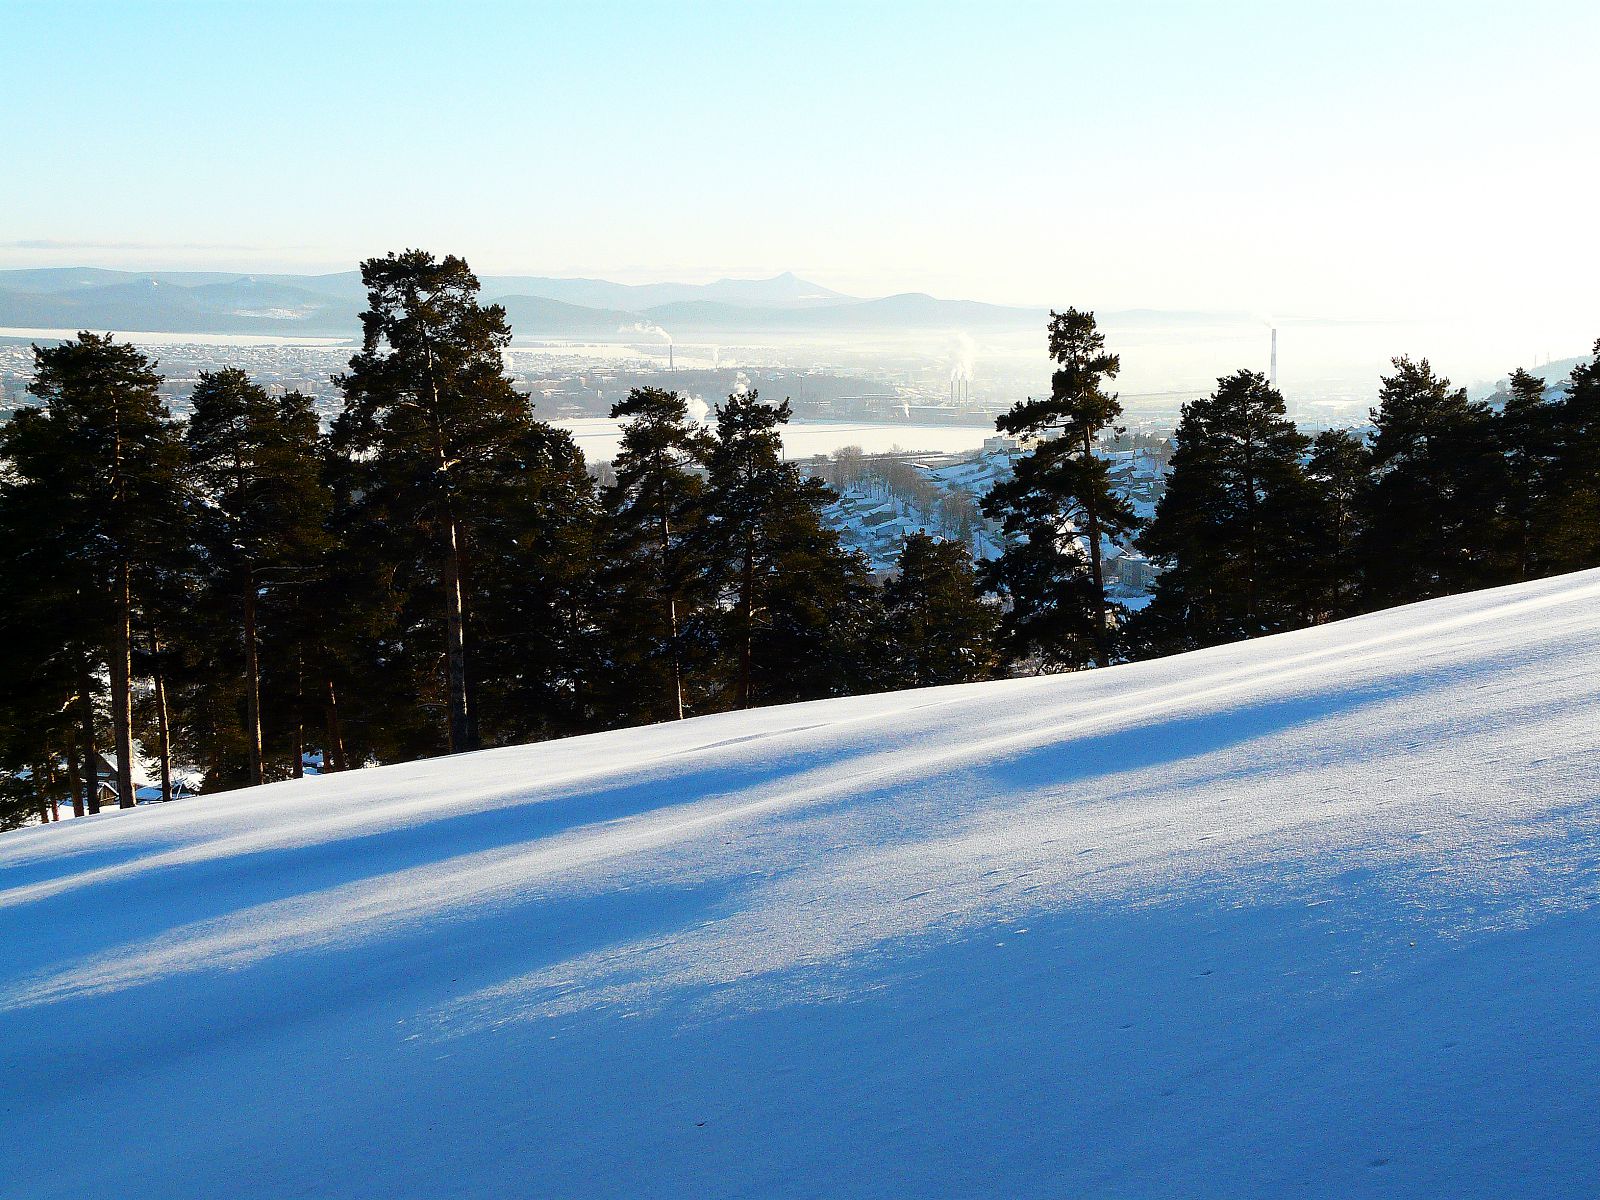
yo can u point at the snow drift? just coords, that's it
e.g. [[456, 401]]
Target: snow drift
[[1311, 916]]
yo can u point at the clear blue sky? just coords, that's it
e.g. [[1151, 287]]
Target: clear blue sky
[[1341, 158]]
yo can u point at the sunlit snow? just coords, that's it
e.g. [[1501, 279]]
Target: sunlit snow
[[1310, 916]]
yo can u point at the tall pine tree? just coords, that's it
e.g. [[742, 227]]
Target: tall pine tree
[[1340, 472], [795, 609], [1569, 518], [1526, 435], [104, 451], [435, 428], [1433, 524], [467, 526], [257, 460], [1059, 505], [656, 581], [937, 625], [1229, 533]]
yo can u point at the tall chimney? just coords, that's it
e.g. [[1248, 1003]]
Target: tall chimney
[[1274, 357]]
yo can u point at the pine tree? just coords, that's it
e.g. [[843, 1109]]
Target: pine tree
[[1569, 516], [1061, 492], [656, 582], [257, 461], [48, 625], [795, 608], [104, 451], [938, 628], [381, 651], [536, 600], [1526, 435], [1340, 473], [41, 632], [464, 524], [1433, 526], [436, 428], [1229, 533]]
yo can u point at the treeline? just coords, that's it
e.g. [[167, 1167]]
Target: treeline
[[1262, 529], [438, 571], [245, 592]]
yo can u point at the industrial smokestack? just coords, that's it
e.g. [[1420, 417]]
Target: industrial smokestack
[[672, 366], [1274, 358]]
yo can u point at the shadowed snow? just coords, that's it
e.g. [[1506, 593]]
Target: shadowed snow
[[1296, 867]]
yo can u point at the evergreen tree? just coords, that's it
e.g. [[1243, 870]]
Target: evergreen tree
[[380, 685], [1569, 515], [1526, 436], [256, 459], [49, 626], [1229, 533], [937, 628], [169, 650], [656, 581], [435, 428], [464, 523], [1340, 472], [1433, 526], [795, 608], [41, 636], [104, 455], [536, 601], [1061, 492]]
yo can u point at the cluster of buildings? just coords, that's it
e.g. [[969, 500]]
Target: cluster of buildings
[[881, 503], [308, 369]]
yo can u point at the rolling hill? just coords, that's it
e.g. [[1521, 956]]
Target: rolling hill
[[328, 305], [1316, 915]]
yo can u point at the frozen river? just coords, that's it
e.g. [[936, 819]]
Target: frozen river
[[598, 437]]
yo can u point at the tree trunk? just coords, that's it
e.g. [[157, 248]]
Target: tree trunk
[[1102, 632], [461, 723], [747, 585], [43, 783], [163, 729], [91, 791], [122, 685], [335, 747], [672, 615], [252, 680], [74, 774], [677, 656], [1252, 540], [298, 768]]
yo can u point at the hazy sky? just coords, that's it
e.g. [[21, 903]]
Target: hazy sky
[[1404, 160]]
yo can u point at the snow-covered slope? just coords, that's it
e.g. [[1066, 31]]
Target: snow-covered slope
[[1313, 916]]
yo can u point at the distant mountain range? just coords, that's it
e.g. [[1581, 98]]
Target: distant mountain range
[[328, 305]]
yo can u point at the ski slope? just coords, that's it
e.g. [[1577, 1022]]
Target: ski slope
[[1317, 915]]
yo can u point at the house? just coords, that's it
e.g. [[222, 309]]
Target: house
[[105, 780], [150, 793], [1134, 571]]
